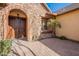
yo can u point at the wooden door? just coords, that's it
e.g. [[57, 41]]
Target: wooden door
[[19, 26]]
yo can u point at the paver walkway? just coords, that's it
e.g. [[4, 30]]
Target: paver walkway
[[62, 47], [35, 48]]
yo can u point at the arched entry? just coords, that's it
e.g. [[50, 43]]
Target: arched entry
[[17, 24]]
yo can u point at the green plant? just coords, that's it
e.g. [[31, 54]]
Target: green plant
[[53, 23], [62, 38], [5, 47], [34, 38]]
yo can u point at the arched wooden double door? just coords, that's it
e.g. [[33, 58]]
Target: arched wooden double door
[[18, 24]]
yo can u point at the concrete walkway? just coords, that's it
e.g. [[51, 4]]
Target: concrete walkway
[[35, 48], [62, 47]]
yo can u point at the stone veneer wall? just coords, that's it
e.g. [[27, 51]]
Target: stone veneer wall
[[33, 12]]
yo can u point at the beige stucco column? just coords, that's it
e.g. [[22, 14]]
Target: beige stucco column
[[29, 28]]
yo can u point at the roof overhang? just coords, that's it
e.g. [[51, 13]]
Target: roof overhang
[[49, 15], [67, 9]]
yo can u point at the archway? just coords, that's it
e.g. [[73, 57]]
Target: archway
[[17, 24]]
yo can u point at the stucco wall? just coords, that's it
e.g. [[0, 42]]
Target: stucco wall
[[69, 25], [33, 12]]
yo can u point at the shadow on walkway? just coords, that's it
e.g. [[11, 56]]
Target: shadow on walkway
[[62, 47]]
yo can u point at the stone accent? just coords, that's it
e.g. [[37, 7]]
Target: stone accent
[[1, 27], [33, 13]]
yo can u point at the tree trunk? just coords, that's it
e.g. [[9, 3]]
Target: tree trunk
[[54, 32]]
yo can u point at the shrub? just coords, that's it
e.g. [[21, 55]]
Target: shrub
[[62, 38], [5, 47]]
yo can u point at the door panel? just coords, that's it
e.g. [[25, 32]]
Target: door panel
[[19, 25]]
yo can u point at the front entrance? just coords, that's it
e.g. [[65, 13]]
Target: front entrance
[[19, 26]]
